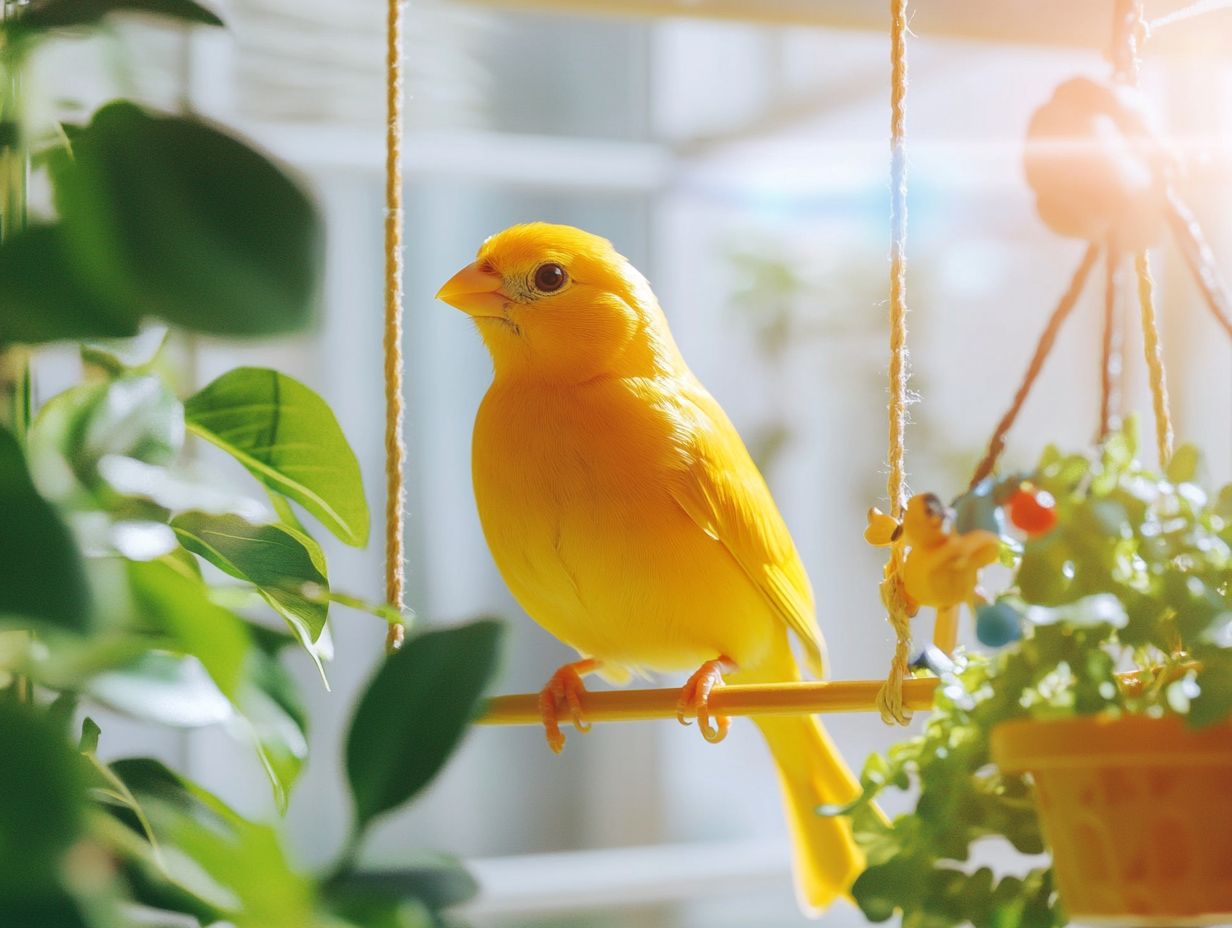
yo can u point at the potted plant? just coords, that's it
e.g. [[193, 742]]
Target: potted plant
[[1099, 731]]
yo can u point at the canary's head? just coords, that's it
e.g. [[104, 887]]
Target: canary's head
[[556, 303], [925, 522]]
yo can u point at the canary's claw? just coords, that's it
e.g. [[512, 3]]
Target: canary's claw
[[564, 691], [695, 700]]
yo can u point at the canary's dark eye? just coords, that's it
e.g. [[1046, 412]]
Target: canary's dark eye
[[549, 278]]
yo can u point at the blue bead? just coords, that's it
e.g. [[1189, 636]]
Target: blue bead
[[977, 509], [997, 624]]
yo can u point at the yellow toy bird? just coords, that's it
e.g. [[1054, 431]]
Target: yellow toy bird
[[628, 519], [942, 565]]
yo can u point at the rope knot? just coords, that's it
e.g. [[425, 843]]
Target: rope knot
[[899, 608]]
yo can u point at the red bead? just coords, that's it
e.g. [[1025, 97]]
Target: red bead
[[1033, 512]]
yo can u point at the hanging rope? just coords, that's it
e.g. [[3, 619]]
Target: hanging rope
[[1154, 359], [395, 448], [1110, 345], [1200, 260], [896, 485], [893, 596], [1065, 306], [1130, 34]]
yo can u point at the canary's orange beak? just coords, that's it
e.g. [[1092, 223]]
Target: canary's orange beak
[[476, 291]]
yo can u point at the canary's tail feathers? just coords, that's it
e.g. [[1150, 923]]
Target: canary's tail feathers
[[812, 773]]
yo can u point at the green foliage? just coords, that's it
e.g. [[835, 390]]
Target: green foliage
[[44, 578], [171, 217], [45, 297], [161, 216], [177, 606], [391, 756], [289, 440], [39, 767], [45, 15], [282, 562], [1137, 571], [129, 582]]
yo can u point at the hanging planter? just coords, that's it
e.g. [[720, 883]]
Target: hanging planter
[[1135, 811], [1052, 743]]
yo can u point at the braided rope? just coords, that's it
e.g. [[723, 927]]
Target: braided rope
[[395, 448], [896, 484], [893, 596], [1154, 359], [1069, 299], [889, 701], [1200, 260]]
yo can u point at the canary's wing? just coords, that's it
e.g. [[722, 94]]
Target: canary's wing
[[722, 490]]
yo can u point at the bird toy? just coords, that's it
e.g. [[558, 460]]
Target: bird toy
[[940, 567]]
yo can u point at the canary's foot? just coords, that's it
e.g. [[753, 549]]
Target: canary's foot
[[564, 691], [695, 699]]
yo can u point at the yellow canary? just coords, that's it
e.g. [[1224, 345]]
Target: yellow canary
[[626, 516]]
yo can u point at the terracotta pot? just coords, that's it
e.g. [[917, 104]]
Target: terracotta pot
[[1136, 811]]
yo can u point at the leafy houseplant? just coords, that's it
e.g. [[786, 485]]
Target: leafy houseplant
[[128, 582], [1101, 732]]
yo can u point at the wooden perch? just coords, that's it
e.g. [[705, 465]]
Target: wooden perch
[[757, 699]]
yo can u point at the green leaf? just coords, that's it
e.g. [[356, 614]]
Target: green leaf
[[285, 511], [288, 439], [270, 715], [56, 910], [1223, 503], [170, 217], [1213, 704], [1183, 468], [89, 736], [279, 739], [272, 677], [373, 911], [44, 297], [414, 713], [61, 712], [179, 607], [438, 883], [883, 889], [42, 782], [275, 714], [150, 885], [170, 689], [134, 417], [244, 862], [233, 865], [285, 565], [42, 576], [58, 14]]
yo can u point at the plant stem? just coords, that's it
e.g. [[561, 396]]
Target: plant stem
[[15, 382], [16, 393]]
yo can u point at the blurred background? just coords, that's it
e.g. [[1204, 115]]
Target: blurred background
[[737, 153]]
